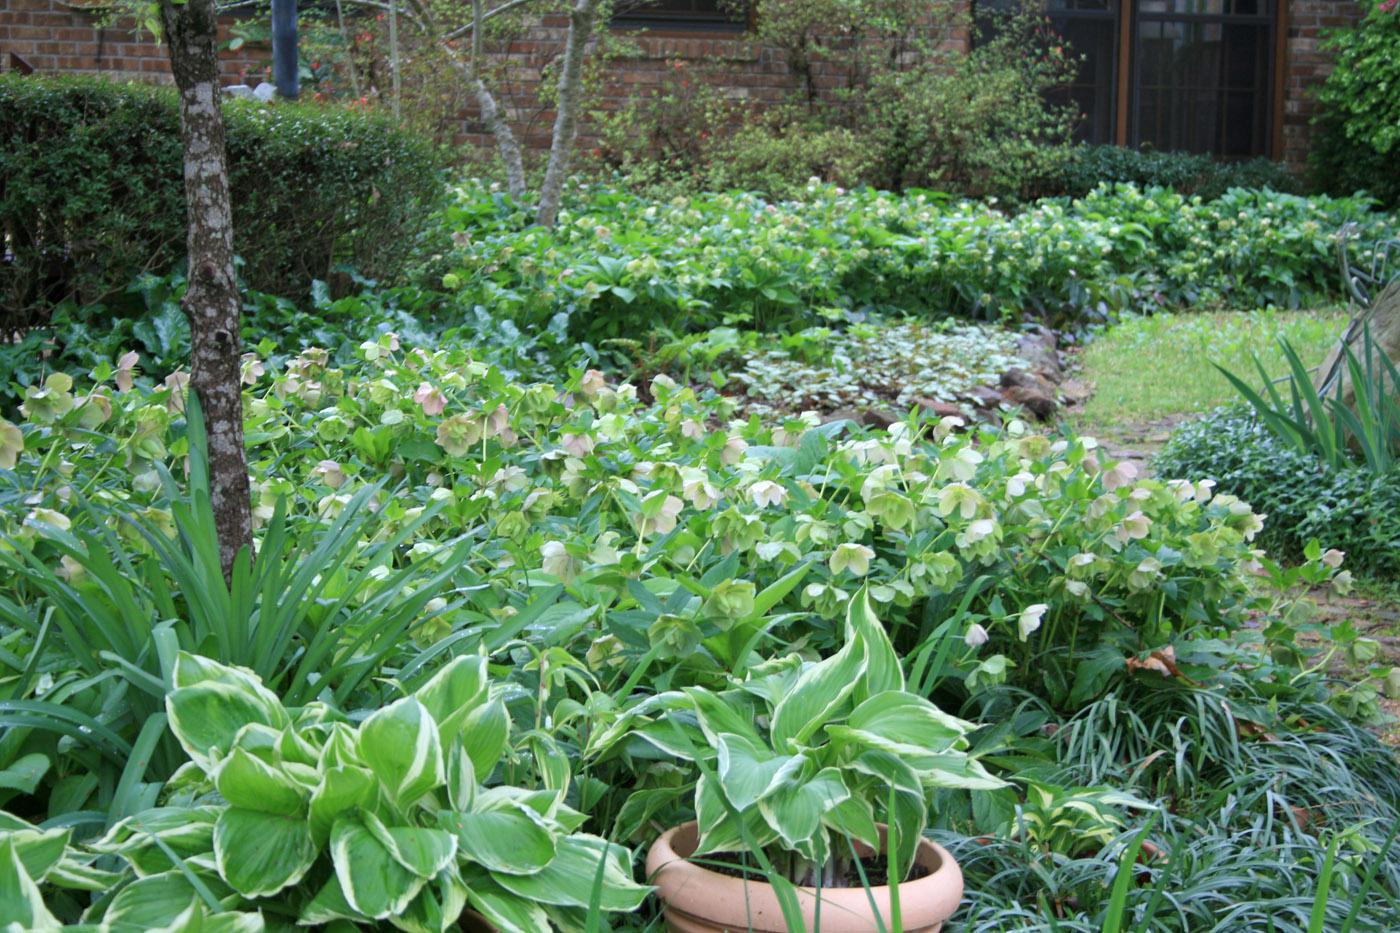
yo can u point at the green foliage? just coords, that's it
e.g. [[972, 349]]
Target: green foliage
[[314, 818], [876, 98], [1325, 427], [1087, 167], [845, 745], [1351, 508], [620, 265], [1358, 126], [91, 192]]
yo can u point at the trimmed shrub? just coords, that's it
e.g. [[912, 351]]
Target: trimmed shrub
[[1188, 173], [1351, 509], [91, 191]]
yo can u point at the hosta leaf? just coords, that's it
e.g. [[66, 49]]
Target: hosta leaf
[[422, 850], [506, 840], [816, 696], [794, 809], [212, 702], [25, 774], [342, 791], [882, 668], [245, 781], [21, 904], [747, 769], [854, 818], [902, 724], [327, 906], [506, 911], [259, 854], [39, 851], [400, 745], [485, 731], [568, 879], [154, 902], [453, 693], [372, 880], [437, 907]]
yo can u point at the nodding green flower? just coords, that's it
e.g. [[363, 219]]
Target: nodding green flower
[[11, 444], [960, 498], [732, 600], [1120, 474], [49, 402], [557, 561], [458, 434], [853, 557]]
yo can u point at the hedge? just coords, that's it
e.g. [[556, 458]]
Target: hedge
[[91, 191]]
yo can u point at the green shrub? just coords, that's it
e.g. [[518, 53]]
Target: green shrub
[[1351, 509], [91, 192], [1358, 127], [1087, 167], [621, 265]]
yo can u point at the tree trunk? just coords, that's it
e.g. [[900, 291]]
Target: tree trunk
[[581, 16], [490, 113], [211, 300]]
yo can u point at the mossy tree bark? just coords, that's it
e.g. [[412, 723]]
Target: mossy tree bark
[[211, 299]]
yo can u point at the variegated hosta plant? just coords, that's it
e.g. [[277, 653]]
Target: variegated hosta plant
[[801, 759], [305, 816]]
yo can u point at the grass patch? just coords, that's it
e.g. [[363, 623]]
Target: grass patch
[[1149, 368]]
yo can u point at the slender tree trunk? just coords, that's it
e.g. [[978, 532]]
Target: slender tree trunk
[[581, 16], [491, 114], [211, 301]]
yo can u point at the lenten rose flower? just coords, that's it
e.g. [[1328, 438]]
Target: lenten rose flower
[[666, 513], [766, 492], [330, 473], [1121, 474], [430, 399], [458, 434], [853, 557], [1333, 557], [1135, 526], [976, 636], [126, 370], [579, 445], [252, 369], [592, 384], [1029, 619], [733, 450], [176, 383], [11, 444]]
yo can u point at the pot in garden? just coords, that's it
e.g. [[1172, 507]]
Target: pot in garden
[[698, 900]]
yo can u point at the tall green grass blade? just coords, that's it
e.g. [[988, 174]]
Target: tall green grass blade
[[1318, 919], [1123, 879]]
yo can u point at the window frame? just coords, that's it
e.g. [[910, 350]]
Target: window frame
[[652, 19]]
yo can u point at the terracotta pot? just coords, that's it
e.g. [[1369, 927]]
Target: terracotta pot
[[697, 900]]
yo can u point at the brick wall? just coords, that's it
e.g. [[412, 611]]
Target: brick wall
[[1306, 67], [53, 36]]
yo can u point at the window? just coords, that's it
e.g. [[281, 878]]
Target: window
[[1185, 75], [712, 15]]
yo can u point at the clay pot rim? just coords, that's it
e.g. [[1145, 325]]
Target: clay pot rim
[[925, 902]]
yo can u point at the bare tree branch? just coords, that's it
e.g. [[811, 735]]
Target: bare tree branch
[[576, 46]]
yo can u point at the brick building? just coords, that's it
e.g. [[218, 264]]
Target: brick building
[[1228, 77]]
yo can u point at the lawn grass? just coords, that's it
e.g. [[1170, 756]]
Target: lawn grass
[[1159, 367]]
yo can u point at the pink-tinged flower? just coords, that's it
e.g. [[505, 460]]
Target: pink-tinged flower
[[253, 369], [330, 473], [593, 383], [498, 421], [733, 450], [579, 445], [1333, 558], [176, 384], [660, 512], [430, 399], [976, 636], [126, 370], [1122, 474], [692, 429], [1134, 527]]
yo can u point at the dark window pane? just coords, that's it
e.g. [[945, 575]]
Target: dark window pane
[[718, 14], [1203, 86], [1091, 91]]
